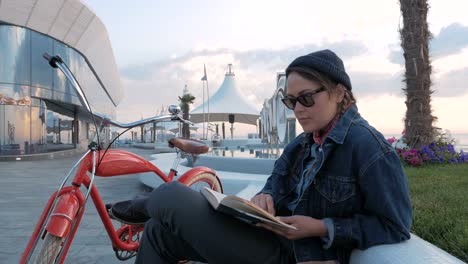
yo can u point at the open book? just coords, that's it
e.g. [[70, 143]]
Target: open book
[[240, 208]]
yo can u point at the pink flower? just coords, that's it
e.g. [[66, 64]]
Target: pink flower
[[415, 161], [406, 154], [391, 140], [413, 151]]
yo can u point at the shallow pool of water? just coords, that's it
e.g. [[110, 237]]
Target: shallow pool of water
[[243, 152]]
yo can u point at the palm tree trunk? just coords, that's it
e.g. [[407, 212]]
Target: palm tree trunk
[[415, 37], [185, 102], [185, 127]]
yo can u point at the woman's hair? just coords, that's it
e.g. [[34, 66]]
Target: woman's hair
[[330, 85]]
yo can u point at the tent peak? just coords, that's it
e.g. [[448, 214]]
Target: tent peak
[[230, 72]]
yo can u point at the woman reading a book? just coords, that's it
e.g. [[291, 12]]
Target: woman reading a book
[[339, 183]]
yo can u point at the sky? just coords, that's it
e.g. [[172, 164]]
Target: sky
[[161, 46]]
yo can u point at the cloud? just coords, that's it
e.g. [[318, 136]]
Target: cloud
[[452, 84], [148, 86], [368, 84], [396, 55], [450, 40], [279, 58]]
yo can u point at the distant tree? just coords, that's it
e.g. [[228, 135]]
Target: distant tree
[[185, 101], [415, 36]]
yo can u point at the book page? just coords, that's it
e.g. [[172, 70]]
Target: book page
[[220, 201], [216, 195], [247, 206]]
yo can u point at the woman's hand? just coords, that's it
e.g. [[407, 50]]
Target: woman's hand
[[264, 201], [306, 227]]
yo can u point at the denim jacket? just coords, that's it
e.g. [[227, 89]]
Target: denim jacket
[[359, 184]]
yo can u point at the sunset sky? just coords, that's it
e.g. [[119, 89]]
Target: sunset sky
[[162, 45]]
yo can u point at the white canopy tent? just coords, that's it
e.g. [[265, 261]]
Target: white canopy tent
[[227, 101]]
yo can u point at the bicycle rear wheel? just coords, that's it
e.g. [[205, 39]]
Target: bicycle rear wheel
[[202, 179], [50, 249]]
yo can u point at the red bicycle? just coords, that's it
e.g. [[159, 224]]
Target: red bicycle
[[64, 210]]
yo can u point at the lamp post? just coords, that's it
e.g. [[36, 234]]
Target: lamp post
[[205, 79], [224, 130], [231, 120], [58, 127]]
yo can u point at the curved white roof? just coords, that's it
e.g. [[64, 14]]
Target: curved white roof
[[227, 100], [73, 23]]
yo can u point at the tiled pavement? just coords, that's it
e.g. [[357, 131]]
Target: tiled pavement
[[25, 187]]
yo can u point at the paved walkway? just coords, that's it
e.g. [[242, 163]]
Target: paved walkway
[[25, 187]]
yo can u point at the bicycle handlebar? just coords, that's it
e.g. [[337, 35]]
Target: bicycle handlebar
[[144, 121], [57, 62]]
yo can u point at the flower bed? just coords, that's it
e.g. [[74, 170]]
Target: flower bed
[[441, 151]]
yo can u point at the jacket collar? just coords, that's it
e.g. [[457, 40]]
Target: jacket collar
[[340, 130]]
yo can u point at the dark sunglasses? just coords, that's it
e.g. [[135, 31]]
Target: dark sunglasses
[[306, 99]]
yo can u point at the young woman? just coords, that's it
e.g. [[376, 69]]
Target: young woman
[[340, 183]]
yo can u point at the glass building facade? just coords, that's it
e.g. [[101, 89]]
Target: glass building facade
[[39, 109]]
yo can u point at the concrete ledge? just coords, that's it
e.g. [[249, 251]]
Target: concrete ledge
[[159, 147], [244, 185], [239, 142], [42, 156], [414, 251], [143, 145], [239, 165]]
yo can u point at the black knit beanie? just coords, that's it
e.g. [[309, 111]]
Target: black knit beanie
[[326, 62]]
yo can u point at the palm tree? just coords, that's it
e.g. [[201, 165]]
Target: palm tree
[[185, 102], [415, 36]]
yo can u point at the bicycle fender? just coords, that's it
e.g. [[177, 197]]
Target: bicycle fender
[[63, 215], [187, 176], [196, 170]]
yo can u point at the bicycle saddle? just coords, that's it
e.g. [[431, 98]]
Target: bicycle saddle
[[192, 146]]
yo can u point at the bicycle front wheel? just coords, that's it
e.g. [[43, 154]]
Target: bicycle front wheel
[[50, 249], [203, 179]]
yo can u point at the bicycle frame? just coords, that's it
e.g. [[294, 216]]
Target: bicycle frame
[[65, 208]]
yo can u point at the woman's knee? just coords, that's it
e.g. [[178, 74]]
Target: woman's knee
[[167, 195]]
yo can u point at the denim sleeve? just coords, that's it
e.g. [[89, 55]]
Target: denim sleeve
[[387, 214], [279, 170], [267, 188], [328, 240]]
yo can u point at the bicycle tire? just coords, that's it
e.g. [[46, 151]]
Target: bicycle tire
[[50, 249], [207, 177]]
